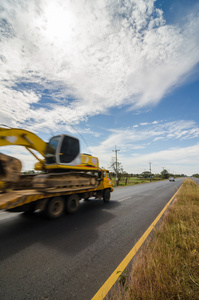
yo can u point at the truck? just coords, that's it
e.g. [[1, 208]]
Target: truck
[[63, 175]]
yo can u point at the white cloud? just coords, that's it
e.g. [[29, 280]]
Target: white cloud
[[158, 139], [143, 124], [151, 132], [180, 160], [98, 54], [156, 135]]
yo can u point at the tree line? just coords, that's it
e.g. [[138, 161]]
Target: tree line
[[119, 174]]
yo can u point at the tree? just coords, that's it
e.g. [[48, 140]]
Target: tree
[[195, 175], [165, 174], [117, 169], [146, 174]]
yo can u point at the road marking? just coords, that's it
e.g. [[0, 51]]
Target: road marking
[[124, 199], [103, 291]]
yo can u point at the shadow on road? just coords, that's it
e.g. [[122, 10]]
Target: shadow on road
[[69, 234]]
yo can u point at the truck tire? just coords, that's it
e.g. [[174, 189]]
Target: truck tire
[[55, 207], [72, 204], [106, 195]]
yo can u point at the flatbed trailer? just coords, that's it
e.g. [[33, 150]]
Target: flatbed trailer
[[55, 202]]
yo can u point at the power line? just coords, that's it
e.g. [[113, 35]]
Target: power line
[[76, 131]]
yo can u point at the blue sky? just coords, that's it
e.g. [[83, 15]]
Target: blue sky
[[112, 73]]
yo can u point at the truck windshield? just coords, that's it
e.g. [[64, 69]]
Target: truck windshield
[[51, 150], [108, 174]]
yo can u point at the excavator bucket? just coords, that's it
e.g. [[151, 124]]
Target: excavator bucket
[[10, 171]]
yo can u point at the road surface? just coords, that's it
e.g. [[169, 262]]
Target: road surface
[[71, 257]]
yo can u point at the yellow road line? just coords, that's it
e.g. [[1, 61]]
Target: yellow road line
[[103, 291]]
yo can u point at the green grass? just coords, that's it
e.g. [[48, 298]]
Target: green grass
[[167, 267], [133, 180]]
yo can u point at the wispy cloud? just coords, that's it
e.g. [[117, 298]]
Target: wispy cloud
[[156, 135], [154, 131], [181, 160], [97, 54]]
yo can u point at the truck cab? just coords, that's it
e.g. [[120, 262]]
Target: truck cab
[[107, 179]]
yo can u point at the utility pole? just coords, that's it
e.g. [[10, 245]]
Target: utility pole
[[150, 170], [116, 150]]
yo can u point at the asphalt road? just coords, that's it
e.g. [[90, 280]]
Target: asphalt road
[[71, 257], [196, 180]]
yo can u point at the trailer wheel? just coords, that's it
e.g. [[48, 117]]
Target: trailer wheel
[[55, 207], [72, 204], [106, 195]]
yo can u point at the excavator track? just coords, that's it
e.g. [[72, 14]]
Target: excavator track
[[12, 179], [56, 182], [61, 181]]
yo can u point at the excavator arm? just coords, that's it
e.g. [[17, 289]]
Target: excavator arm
[[10, 167], [22, 137]]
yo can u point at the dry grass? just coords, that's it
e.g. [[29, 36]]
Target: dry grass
[[168, 265]]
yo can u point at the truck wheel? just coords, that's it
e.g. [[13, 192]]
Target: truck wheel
[[106, 195], [72, 204], [55, 207]]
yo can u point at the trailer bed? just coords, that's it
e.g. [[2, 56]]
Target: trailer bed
[[17, 198]]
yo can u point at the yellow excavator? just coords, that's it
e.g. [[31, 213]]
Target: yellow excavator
[[61, 166]]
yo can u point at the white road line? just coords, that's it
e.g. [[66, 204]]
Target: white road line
[[124, 199]]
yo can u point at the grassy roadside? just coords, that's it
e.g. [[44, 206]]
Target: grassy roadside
[[133, 181], [167, 267]]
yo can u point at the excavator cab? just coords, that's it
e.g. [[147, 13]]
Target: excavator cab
[[63, 150]]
